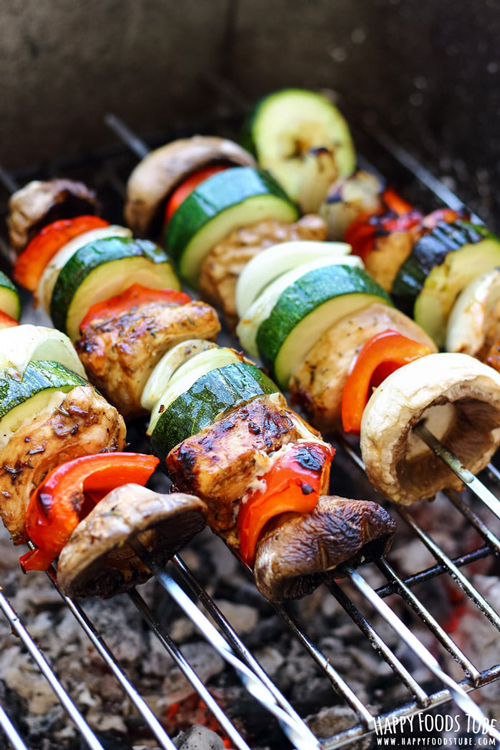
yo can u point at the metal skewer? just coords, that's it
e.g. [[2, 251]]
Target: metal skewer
[[296, 731]]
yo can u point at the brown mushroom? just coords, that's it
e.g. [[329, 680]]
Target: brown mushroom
[[159, 173], [40, 203], [298, 552], [97, 561], [458, 400]]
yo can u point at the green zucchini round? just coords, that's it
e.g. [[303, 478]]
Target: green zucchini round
[[10, 302], [224, 202], [23, 396], [306, 309], [211, 396], [101, 270], [287, 125], [442, 263]]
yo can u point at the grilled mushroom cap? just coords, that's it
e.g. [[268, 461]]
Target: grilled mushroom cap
[[298, 552], [97, 561], [40, 203], [457, 397], [162, 170]]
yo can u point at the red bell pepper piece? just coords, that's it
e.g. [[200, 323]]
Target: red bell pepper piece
[[69, 493], [131, 297], [382, 355], [294, 483], [394, 203], [188, 185], [35, 257], [6, 321]]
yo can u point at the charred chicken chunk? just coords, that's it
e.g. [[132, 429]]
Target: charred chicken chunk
[[388, 255], [225, 262], [161, 171], [319, 382], [220, 462], [41, 203], [97, 559], [457, 398], [84, 423], [298, 552], [120, 353]]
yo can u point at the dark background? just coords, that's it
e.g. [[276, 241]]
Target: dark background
[[429, 69]]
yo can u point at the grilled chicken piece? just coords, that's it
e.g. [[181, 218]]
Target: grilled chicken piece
[[83, 424], [299, 551], [389, 253], [161, 171], [97, 561], [225, 262], [317, 385], [41, 203], [120, 353], [219, 462], [458, 400]]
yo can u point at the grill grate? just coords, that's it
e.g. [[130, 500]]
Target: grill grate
[[104, 163]]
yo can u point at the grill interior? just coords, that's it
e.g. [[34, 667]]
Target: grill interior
[[106, 171]]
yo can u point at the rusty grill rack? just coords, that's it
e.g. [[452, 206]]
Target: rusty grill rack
[[184, 588]]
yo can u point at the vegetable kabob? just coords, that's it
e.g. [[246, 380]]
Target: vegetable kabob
[[60, 453], [441, 269], [308, 322], [224, 429]]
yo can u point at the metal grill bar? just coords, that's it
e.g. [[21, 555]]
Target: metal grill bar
[[231, 636], [474, 520], [111, 662], [379, 644], [458, 694], [433, 572], [44, 667], [10, 731], [296, 732], [176, 654], [433, 625]]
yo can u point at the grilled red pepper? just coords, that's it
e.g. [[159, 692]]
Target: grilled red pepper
[[69, 493], [6, 321], [382, 355], [294, 483], [134, 295], [188, 185], [32, 262]]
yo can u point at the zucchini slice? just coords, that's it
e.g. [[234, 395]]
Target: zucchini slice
[[28, 343], [210, 397], [287, 126], [187, 374], [9, 298], [271, 263], [261, 309], [53, 268], [101, 270], [306, 309], [24, 395], [224, 202], [167, 366], [442, 263]]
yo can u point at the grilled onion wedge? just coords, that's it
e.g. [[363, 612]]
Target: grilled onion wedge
[[97, 561], [457, 398]]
